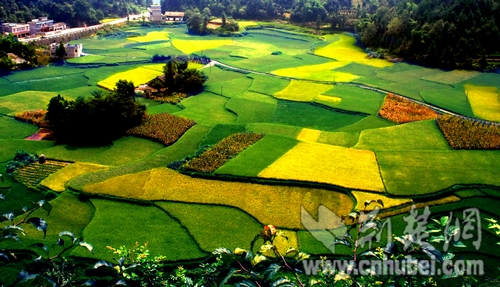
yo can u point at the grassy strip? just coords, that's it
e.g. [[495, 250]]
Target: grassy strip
[[24, 101], [267, 85], [354, 99], [120, 223], [401, 110], [219, 154], [18, 196], [257, 157], [370, 122], [320, 72], [312, 116], [214, 226], [185, 146], [9, 147], [219, 132], [164, 128], [12, 129], [412, 173], [362, 197], [466, 134], [452, 99], [58, 180], [250, 111], [313, 162], [302, 91], [231, 88], [345, 139], [452, 77], [196, 109], [269, 204], [422, 135], [72, 152], [274, 129]]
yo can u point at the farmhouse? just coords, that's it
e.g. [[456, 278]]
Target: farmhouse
[[41, 25], [18, 30], [174, 16], [72, 51], [155, 13]]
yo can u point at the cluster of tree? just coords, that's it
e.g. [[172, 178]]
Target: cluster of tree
[[197, 23], [9, 44], [95, 119], [444, 33], [301, 10], [178, 78], [73, 12]]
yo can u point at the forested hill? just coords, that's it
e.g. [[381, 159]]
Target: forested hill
[[445, 33], [73, 12]]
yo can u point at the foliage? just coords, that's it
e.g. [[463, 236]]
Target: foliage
[[96, 119], [313, 162], [21, 158], [463, 133], [10, 44], [36, 117], [165, 128], [178, 78], [400, 110], [219, 154]]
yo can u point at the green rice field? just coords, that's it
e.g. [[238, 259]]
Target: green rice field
[[316, 103]]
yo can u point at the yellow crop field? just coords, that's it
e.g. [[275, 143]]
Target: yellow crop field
[[191, 46], [329, 99], [362, 197], [322, 72], [139, 76], [302, 91], [309, 135], [58, 180], [344, 50], [441, 201], [244, 24], [151, 36], [270, 204], [484, 101], [315, 162]]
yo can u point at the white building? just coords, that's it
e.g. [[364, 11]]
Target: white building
[[72, 51], [155, 13]]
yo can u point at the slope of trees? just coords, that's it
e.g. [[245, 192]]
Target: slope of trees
[[9, 44], [73, 12], [444, 33], [95, 119]]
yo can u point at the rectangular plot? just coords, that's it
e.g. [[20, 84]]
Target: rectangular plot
[[485, 101], [302, 91], [452, 99], [249, 111], [230, 88], [355, 99]]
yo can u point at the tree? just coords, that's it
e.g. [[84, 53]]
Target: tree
[[223, 20], [60, 51], [125, 88]]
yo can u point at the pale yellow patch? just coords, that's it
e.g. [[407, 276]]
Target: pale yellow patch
[[309, 135], [345, 50], [485, 101], [350, 168], [58, 180], [244, 24], [138, 76], [151, 36], [362, 197], [329, 99], [322, 72], [269, 204], [302, 91], [452, 77], [191, 46]]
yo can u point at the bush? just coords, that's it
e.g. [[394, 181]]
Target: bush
[[21, 159], [36, 117]]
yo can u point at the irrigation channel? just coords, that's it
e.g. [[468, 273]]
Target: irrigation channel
[[434, 108]]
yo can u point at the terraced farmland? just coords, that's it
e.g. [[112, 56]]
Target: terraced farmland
[[321, 142]]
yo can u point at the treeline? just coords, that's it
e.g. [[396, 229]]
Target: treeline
[[444, 33], [9, 44], [96, 119], [73, 12]]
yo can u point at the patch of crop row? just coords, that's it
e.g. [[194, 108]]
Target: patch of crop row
[[165, 128], [226, 149], [401, 110], [36, 117], [31, 175], [466, 134]]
